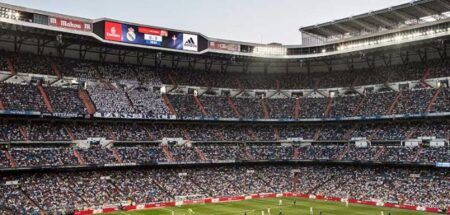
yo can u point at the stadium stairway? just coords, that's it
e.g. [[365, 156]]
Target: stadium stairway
[[394, 103], [314, 189], [317, 84], [410, 133], [23, 132], [107, 84], [296, 153], [116, 187], [317, 134], [169, 104], [297, 108], [233, 107], [117, 155], [205, 191], [263, 179], [150, 135], [276, 133], [265, 108], [70, 133], [12, 162], [359, 106], [10, 65], [168, 154], [278, 85], [87, 102], [418, 153], [129, 100], [329, 107], [31, 200], [200, 105], [239, 85], [200, 153], [432, 101], [111, 133], [348, 134], [379, 153], [155, 182], [347, 149], [186, 134], [371, 136], [71, 185], [248, 153], [253, 134], [44, 95], [80, 159], [425, 76], [56, 70], [172, 80]]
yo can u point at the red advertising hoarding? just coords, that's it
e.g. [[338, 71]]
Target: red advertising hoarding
[[113, 31], [153, 31], [69, 24]]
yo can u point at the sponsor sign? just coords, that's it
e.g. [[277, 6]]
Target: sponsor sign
[[174, 40], [69, 24], [113, 31], [149, 36], [224, 46], [190, 42]]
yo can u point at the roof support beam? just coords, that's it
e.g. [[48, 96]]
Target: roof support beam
[[444, 4], [365, 25], [345, 28], [328, 32], [427, 11], [384, 21], [403, 15]]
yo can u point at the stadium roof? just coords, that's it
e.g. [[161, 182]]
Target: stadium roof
[[389, 18]]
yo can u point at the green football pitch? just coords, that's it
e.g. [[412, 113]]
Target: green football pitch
[[255, 207]]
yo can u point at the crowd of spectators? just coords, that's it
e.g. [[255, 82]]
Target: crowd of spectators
[[21, 97], [97, 156], [147, 102], [109, 99], [414, 101], [78, 190], [217, 106], [42, 131], [249, 108], [281, 108], [141, 154], [313, 107], [85, 69], [219, 151], [377, 104], [31, 63], [41, 157], [185, 106], [143, 99], [65, 100]]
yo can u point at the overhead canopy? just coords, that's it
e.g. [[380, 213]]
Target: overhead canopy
[[388, 18]]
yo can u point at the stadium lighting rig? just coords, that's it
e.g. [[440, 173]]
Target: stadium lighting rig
[[8, 13], [270, 50], [395, 38]]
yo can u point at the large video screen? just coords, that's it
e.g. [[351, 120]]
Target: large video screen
[[150, 36]]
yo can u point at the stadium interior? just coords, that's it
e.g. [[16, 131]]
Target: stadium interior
[[103, 115]]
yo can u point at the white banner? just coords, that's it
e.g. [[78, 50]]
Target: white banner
[[190, 42]]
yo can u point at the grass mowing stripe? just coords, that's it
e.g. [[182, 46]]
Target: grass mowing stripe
[[254, 207]]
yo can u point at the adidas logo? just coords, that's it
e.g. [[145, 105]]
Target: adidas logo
[[190, 43]]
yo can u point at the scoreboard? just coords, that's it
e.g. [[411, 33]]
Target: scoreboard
[[150, 36]]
